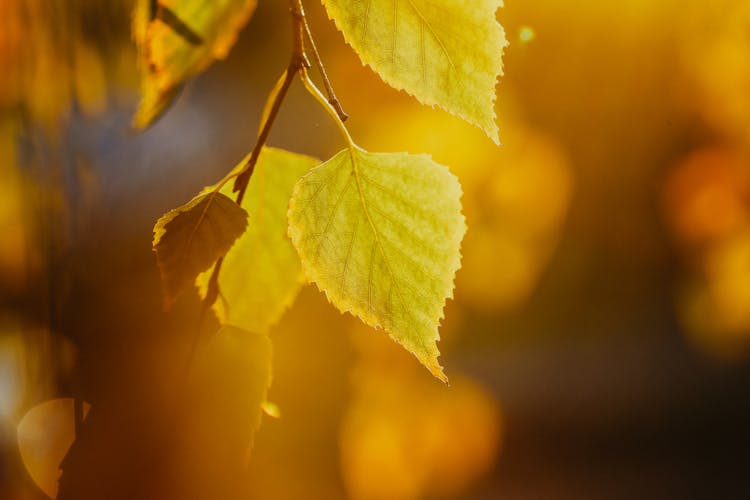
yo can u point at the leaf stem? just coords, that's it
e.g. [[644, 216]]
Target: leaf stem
[[332, 99], [297, 63], [318, 95], [240, 183]]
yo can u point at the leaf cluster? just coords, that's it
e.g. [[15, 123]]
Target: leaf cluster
[[378, 233]]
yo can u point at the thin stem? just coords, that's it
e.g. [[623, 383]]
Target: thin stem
[[240, 184], [318, 95], [298, 29], [271, 110], [297, 63], [332, 99], [271, 99], [219, 185]]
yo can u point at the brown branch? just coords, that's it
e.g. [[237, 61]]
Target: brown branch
[[297, 64], [298, 61], [240, 183]]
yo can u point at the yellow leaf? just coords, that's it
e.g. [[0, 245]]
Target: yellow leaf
[[446, 53], [380, 234], [189, 239], [178, 39], [261, 274]]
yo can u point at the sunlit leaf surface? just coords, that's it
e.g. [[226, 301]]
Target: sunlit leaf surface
[[446, 53], [261, 274], [380, 234]]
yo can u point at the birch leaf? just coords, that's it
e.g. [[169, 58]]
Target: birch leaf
[[446, 53], [177, 39], [261, 274], [189, 239], [380, 234]]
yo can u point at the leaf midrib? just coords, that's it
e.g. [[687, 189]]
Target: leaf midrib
[[376, 233]]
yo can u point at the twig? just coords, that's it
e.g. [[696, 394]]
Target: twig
[[332, 99], [297, 62]]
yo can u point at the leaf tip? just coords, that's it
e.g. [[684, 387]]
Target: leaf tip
[[439, 373], [494, 132]]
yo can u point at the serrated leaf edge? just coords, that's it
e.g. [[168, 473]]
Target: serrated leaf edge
[[494, 132], [160, 230], [434, 365]]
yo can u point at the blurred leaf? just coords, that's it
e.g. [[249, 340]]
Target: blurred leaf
[[446, 53], [261, 274], [57, 52], [45, 433], [178, 39], [188, 239], [90, 80], [380, 234], [231, 377]]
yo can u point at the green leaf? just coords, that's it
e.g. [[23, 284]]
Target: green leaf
[[189, 239], [446, 53], [380, 234], [177, 39], [261, 274]]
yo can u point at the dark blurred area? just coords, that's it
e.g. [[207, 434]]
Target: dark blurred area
[[599, 340]]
